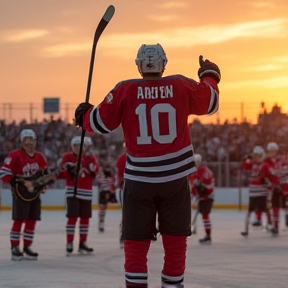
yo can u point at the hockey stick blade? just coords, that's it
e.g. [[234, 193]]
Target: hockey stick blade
[[100, 28]]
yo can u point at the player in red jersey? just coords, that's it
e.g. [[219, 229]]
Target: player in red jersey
[[119, 183], [258, 190], [105, 182], [25, 162], [153, 112], [79, 205], [270, 172], [247, 168], [280, 194], [284, 185], [202, 186]]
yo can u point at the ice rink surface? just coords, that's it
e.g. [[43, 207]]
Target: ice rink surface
[[261, 261]]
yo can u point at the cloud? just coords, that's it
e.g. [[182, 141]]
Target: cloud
[[66, 49], [123, 44], [267, 67], [270, 83], [282, 59], [163, 18], [23, 35], [172, 4], [263, 65], [263, 4], [203, 35]]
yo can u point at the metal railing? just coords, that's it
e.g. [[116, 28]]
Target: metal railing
[[232, 111]]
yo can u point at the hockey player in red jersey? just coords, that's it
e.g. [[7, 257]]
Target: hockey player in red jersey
[[270, 172], [247, 168], [23, 162], [105, 182], [79, 205], [202, 186], [284, 185], [153, 112], [119, 183], [258, 190]]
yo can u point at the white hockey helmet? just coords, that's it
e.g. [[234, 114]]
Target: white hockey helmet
[[272, 146], [76, 140], [27, 133], [258, 150], [87, 141], [197, 159], [151, 59]]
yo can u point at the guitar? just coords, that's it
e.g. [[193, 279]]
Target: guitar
[[28, 188]]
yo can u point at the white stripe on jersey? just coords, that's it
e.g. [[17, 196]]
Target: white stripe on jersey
[[4, 172], [163, 157], [95, 110], [214, 98], [161, 168], [161, 179], [85, 194]]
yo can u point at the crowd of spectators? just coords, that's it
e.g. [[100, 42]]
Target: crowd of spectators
[[227, 142]]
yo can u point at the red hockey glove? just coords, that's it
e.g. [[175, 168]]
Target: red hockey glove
[[80, 112], [208, 68]]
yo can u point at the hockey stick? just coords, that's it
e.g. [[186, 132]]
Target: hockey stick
[[193, 223], [100, 28], [246, 223]]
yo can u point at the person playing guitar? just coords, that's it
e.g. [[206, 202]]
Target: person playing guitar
[[18, 169]]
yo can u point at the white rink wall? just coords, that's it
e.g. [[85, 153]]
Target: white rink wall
[[54, 199]]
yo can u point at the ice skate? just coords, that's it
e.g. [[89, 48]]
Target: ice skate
[[29, 253], [69, 248], [16, 254], [101, 226], [269, 228], [206, 240], [83, 248], [274, 232], [244, 234], [257, 223]]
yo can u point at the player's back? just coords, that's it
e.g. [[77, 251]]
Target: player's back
[[155, 114], [154, 120]]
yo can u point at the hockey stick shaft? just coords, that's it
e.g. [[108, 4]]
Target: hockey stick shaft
[[193, 223], [100, 28]]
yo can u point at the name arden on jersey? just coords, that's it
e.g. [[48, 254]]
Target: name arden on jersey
[[161, 92]]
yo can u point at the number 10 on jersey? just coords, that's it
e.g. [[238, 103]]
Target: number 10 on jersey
[[144, 138]]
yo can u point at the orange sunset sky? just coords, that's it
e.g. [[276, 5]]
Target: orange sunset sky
[[46, 48]]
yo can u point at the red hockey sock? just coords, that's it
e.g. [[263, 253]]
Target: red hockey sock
[[258, 215], [275, 217], [29, 231], [174, 259], [83, 229], [207, 223], [70, 228], [136, 262], [15, 233]]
